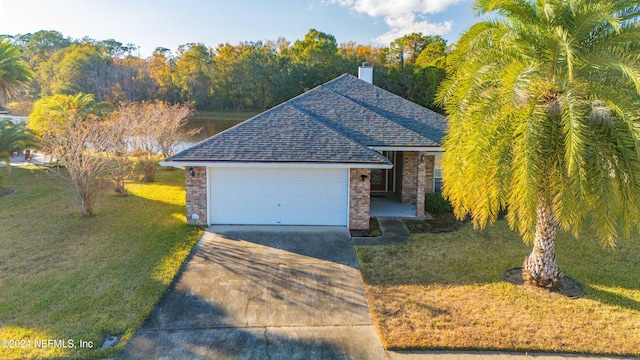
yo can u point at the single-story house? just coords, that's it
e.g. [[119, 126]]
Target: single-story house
[[316, 159]]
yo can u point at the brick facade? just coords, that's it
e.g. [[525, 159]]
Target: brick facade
[[409, 185], [359, 199], [430, 162], [196, 194], [414, 179]]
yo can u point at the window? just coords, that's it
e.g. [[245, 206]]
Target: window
[[437, 180], [437, 174]]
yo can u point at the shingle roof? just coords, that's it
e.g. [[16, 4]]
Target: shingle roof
[[334, 123], [283, 134]]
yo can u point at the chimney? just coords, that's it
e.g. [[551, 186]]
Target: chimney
[[365, 72]]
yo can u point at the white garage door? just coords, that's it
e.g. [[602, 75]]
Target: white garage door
[[287, 196]]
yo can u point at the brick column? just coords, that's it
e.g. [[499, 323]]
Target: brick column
[[417, 178], [196, 187], [409, 177], [429, 173], [359, 199], [424, 180]]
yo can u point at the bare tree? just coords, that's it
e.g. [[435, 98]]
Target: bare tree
[[169, 125], [146, 147], [80, 145], [157, 131], [122, 122]]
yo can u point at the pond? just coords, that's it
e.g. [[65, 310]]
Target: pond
[[210, 124]]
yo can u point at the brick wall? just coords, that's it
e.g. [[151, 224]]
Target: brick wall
[[398, 165], [196, 194], [409, 175], [424, 181], [359, 199], [430, 162]]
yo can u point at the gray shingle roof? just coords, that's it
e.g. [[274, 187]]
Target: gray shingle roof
[[283, 134], [334, 123]]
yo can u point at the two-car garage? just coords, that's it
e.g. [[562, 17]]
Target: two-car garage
[[278, 195]]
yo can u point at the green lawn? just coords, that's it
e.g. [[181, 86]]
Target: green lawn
[[445, 291], [64, 277]]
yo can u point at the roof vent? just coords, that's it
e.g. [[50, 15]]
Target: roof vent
[[365, 72]]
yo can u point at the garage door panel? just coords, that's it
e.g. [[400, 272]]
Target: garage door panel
[[279, 196], [317, 203]]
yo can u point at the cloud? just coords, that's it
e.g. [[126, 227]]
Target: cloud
[[396, 7], [407, 24], [403, 16]]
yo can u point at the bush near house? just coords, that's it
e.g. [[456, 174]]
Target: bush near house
[[435, 203]]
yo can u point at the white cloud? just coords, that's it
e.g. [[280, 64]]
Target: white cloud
[[396, 7], [407, 24], [402, 16]]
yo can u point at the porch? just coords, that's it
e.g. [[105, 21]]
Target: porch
[[388, 205], [399, 191]]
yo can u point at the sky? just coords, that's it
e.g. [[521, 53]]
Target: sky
[[170, 23]]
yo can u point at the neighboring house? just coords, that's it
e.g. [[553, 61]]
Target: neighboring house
[[316, 159]]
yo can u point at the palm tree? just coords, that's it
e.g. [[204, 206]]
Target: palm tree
[[544, 110], [13, 138], [13, 71]]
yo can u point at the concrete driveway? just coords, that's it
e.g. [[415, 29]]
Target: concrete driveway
[[263, 293]]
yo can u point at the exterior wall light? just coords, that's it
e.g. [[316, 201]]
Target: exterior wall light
[[422, 159], [192, 172], [363, 177]]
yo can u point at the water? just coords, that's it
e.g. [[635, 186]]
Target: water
[[209, 125]]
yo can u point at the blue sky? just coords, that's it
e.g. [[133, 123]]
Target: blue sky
[[170, 23]]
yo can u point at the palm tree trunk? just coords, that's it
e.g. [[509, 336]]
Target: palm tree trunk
[[540, 268]]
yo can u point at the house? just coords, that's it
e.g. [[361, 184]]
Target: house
[[316, 159]]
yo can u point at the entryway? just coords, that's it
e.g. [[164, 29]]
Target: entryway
[[388, 205], [383, 180]]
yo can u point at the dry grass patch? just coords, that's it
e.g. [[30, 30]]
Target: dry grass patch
[[444, 291], [65, 277]]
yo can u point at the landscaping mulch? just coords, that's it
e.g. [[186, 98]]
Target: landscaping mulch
[[568, 287], [6, 192], [373, 231], [439, 224]]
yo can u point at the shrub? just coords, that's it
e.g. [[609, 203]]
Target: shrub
[[435, 203], [149, 165]]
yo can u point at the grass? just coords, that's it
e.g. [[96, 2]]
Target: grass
[[65, 277], [444, 291]]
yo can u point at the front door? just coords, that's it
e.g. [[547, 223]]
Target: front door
[[383, 179]]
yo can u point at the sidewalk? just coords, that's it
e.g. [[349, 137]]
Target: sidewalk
[[486, 355], [394, 232]]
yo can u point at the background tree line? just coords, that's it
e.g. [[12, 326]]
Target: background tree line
[[250, 76]]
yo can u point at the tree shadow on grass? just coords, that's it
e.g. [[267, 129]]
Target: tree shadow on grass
[[611, 298]]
